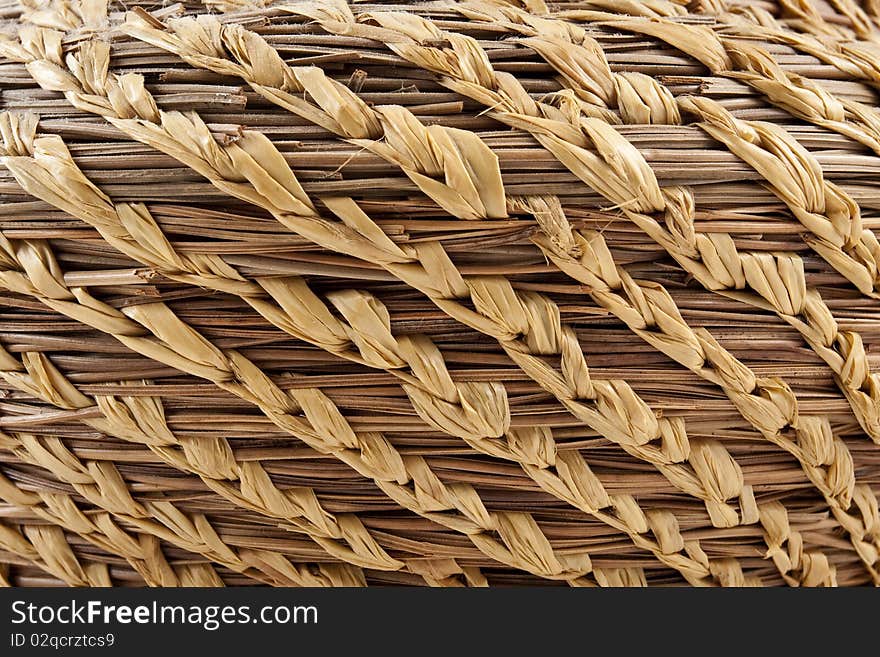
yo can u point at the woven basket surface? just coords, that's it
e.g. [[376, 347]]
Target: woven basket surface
[[477, 293]]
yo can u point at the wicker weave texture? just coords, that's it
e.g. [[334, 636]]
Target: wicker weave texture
[[490, 292]]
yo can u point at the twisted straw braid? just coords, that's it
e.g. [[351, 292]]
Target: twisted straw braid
[[715, 472], [141, 420], [102, 485], [714, 477], [798, 182], [739, 60], [47, 548], [605, 281], [795, 177], [635, 526], [343, 536], [809, 34], [63, 15], [142, 550], [631, 185], [419, 466], [712, 452]]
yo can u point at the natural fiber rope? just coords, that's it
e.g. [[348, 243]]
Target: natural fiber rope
[[197, 42], [378, 459], [810, 431], [140, 420]]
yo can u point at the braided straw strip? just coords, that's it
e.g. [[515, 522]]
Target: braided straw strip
[[140, 420], [47, 548], [142, 550], [713, 480], [469, 73], [740, 60], [582, 64], [811, 35], [198, 41], [256, 489], [88, 15], [623, 504], [785, 164], [102, 485], [736, 474], [794, 175], [799, 15], [376, 453], [640, 527], [131, 418]]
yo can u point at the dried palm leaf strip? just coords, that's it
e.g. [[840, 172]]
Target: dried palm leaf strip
[[809, 32], [413, 38], [353, 131], [623, 510], [753, 65], [250, 48], [141, 420], [160, 319]]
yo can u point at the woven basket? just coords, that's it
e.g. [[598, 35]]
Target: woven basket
[[450, 293]]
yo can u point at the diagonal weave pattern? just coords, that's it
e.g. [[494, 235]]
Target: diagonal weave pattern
[[447, 294]]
